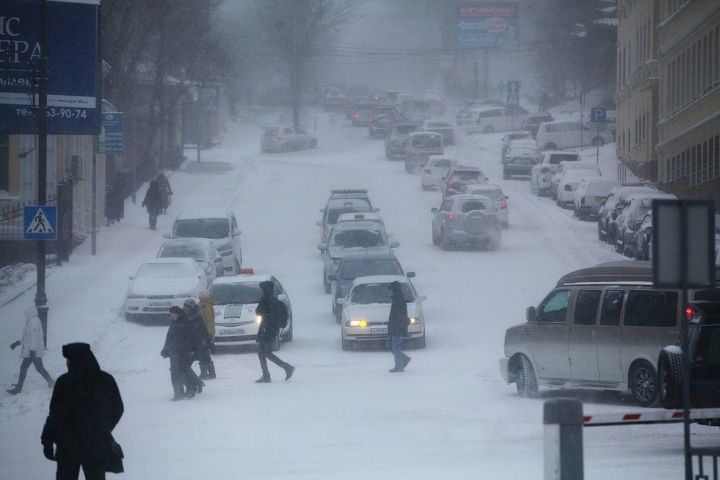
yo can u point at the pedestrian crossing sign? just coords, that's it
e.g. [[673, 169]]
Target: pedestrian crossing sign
[[40, 222]]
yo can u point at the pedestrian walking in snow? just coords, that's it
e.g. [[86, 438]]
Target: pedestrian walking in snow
[[84, 409], [33, 349], [397, 327], [153, 202], [181, 343], [202, 355], [165, 192], [273, 315], [208, 315]]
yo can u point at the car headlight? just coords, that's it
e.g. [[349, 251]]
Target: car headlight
[[357, 323], [415, 320], [258, 319]]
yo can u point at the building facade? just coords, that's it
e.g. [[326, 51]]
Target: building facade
[[636, 96], [688, 145]]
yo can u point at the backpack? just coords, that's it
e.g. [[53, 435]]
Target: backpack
[[279, 314]]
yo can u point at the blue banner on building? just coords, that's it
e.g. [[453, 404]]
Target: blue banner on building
[[488, 25], [111, 139], [73, 67]]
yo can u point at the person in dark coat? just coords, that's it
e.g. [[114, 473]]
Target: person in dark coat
[[165, 192], [397, 327], [153, 202], [207, 367], [268, 332], [181, 343], [84, 409]]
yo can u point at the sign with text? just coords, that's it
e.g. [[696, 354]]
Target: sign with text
[[488, 25], [512, 92], [598, 115], [73, 67], [111, 138]]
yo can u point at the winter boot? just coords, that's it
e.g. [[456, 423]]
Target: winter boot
[[263, 379], [289, 372], [211, 370], [15, 390], [203, 372], [396, 370]]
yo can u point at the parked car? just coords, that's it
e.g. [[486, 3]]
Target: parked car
[[216, 224], [494, 193], [590, 194], [466, 219], [542, 172], [560, 169], [435, 169], [235, 300], [600, 328], [366, 308], [443, 128], [202, 250], [419, 146], [382, 120], [491, 119], [534, 120], [351, 238], [459, 176], [643, 237], [395, 139], [160, 284], [286, 139], [570, 134], [608, 212], [361, 265], [343, 201], [568, 182], [509, 137], [630, 217]]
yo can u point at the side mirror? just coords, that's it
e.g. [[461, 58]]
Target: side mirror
[[321, 247], [434, 211], [332, 278], [394, 244], [410, 274], [282, 297], [531, 315]]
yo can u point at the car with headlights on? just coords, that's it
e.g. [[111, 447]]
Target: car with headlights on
[[343, 201], [350, 238], [160, 284], [201, 250], [466, 219], [361, 265], [235, 300], [366, 309]]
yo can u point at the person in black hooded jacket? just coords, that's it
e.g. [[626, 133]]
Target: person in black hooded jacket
[[397, 327], [181, 344], [268, 311], [84, 409]]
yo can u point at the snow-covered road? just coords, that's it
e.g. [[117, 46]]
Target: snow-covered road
[[342, 415]]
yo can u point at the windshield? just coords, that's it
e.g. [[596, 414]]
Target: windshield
[[361, 268], [164, 270], [406, 129], [202, 228], [245, 292], [496, 195], [427, 141], [334, 213], [465, 176], [559, 157], [377, 293], [470, 205], [184, 251], [357, 238]]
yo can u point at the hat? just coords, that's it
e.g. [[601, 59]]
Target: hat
[[267, 287], [73, 351], [176, 310], [189, 303], [394, 286]]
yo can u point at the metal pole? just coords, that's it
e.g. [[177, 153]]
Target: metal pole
[[40, 296], [476, 80], [98, 107], [581, 118], [563, 442], [486, 72], [597, 144], [685, 336]]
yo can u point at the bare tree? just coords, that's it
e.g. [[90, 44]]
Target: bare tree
[[292, 30]]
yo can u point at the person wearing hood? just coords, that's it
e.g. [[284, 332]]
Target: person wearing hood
[[84, 409], [202, 355], [397, 327], [153, 202], [181, 343], [269, 311], [33, 349], [208, 315]]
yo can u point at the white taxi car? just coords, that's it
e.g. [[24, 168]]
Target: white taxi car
[[235, 300], [160, 284], [366, 308]]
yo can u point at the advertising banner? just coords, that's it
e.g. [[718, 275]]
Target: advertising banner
[[73, 67], [111, 139], [491, 25]]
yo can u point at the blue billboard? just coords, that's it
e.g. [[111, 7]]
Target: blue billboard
[[73, 67], [111, 139], [488, 25]]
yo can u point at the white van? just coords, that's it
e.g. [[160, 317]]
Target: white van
[[217, 224], [570, 134], [489, 119]]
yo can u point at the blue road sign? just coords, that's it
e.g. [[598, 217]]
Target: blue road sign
[[112, 129], [512, 92], [40, 222], [598, 115]]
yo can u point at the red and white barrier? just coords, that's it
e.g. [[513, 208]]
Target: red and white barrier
[[650, 416]]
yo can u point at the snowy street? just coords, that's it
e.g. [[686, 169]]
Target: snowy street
[[342, 416]]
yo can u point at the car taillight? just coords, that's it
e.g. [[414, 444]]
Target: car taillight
[[450, 216], [503, 204], [691, 314], [355, 115]]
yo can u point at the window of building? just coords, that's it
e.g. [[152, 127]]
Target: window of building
[[4, 163]]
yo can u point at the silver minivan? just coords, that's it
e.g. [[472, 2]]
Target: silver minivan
[[600, 328]]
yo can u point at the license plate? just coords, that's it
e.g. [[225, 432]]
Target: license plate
[[160, 304], [232, 331], [378, 331]]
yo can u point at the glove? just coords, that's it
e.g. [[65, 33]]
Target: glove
[[48, 451], [14, 344], [164, 354]]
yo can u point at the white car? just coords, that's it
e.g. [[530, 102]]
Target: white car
[[560, 169], [570, 134], [360, 216], [498, 197], [541, 174], [160, 284], [509, 137], [491, 119], [569, 180], [201, 250], [235, 300], [435, 170], [286, 139], [216, 224], [366, 309], [590, 194]]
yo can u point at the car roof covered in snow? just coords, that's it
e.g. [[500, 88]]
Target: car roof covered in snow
[[380, 279], [209, 212], [242, 278]]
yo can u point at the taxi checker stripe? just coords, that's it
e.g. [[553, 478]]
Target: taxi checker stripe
[[652, 416]]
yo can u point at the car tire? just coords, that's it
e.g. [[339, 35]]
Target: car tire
[[525, 381], [643, 382], [670, 380], [550, 146], [435, 238], [598, 142], [424, 187], [444, 240], [420, 342], [129, 317], [326, 285], [489, 129], [345, 344], [288, 336]]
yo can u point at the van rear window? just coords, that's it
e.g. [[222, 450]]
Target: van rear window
[[651, 309]]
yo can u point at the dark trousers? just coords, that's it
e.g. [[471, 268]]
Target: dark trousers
[[69, 469], [265, 353], [207, 367], [153, 220], [182, 375], [37, 363]]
